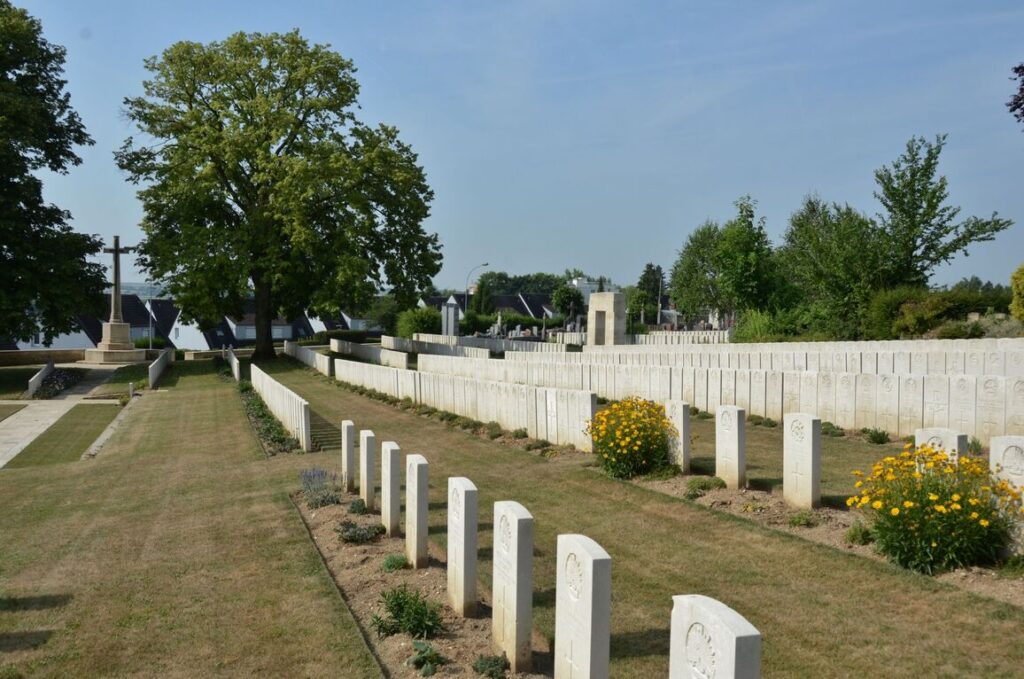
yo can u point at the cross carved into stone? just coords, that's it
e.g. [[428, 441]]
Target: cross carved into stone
[[797, 475], [115, 295], [573, 667]]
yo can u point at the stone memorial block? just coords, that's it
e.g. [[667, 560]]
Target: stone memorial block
[[995, 363], [839, 362], [1006, 458], [962, 402], [416, 510], [773, 394], [911, 405], [1015, 363], [743, 362], [678, 413], [367, 466], [846, 401], [955, 364], [866, 414], [869, 362], [743, 389], [885, 363], [700, 388], [951, 442], [813, 361], [390, 486], [918, 363], [583, 602], [974, 362], [714, 389], [730, 446], [729, 387], [801, 460], [791, 392], [990, 417], [348, 455], [901, 362], [887, 404], [809, 392], [787, 360], [462, 537], [824, 361], [853, 362], [936, 362], [1015, 405], [709, 640], [758, 405], [512, 618], [799, 361], [936, 401], [689, 381], [766, 361], [826, 409]]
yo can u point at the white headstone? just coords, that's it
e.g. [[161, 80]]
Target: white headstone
[[678, 413], [463, 506], [962, 402], [583, 602], [801, 460], [1015, 405], [390, 486], [709, 640], [936, 400], [773, 395], [348, 455], [991, 413], [367, 453], [911, 404], [1006, 458], [888, 403], [416, 510], [730, 446], [846, 400], [512, 617], [953, 443]]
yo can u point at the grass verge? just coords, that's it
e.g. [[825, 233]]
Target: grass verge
[[8, 409], [68, 437]]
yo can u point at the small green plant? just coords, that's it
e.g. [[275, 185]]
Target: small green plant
[[407, 611], [704, 415], [754, 420], [123, 400], [538, 444], [519, 434], [769, 423], [395, 562], [601, 401], [699, 485], [493, 430], [319, 488], [876, 436], [1012, 567], [426, 659], [491, 666], [357, 507], [803, 519], [974, 446], [694, 411], [353, 533], [858, 534], [829, 429]]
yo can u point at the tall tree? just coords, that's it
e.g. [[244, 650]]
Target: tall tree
[[744, 260], [482, 301], [920, 231], [1016, 103], [694, 283], [262, 181], [652, 283], [568, 301], [45, 275]]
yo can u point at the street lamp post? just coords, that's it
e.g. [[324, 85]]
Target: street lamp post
[[478, 266]]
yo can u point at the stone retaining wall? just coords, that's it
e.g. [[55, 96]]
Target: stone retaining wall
[[287, 406]]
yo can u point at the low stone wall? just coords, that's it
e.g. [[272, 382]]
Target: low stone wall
[[287, 406], [157, 367], [421, 347], [494, 344], [681, 337], [557, 415], [579, 338], [236, 366], [310, 355], [38, 356], [36, 380], [372, 353]]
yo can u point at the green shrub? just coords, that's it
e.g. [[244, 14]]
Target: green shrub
[[931, 514], [351, 532], [519, 434], [883, 309], [960, 330], [143, 343], [755, 326], [704, 415], [631, 437], [754, 420], [423, 320], [699, 485], [875, 436], [493, 430], [974, 446], [1017, 289], [407, 611], [769, 423], [395, 562], [357, 507], [491, 666], [319, 488], [829, 429], [538, 444], [426, 659], [1012, 567], [858, 534], [803, 519], [123, 400]]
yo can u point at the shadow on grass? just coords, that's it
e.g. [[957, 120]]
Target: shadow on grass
[[702, 465], [23, 641], [34, 603], [648, 642], [181, 369]]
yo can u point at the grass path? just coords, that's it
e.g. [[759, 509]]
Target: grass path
[[176, 553], [68, 437], [8, 409], [822, 612]]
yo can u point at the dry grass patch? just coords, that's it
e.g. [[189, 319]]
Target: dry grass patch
[[68, 437], [822, 612], [8, 409]]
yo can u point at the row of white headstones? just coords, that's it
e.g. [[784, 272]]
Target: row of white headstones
[[801, 456], [708, 639]]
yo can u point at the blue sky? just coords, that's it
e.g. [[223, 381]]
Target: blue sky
[[598, 135]]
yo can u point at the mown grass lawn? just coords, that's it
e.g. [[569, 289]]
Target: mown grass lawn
[[176, 552], [822, 612], [8, 409], [14, 380], [68, 437]]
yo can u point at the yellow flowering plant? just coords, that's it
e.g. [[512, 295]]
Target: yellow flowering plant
[[631, 437], [931, 513]]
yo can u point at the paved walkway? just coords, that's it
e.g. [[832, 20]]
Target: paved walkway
[[21, 429]]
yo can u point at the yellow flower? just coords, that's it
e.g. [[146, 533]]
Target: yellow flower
[[933, 497], [877, 504], [984, 523], [908, 504], [955, 505], [858, 484], [895, 511], [956, 497], [974, 515], [850, 501]]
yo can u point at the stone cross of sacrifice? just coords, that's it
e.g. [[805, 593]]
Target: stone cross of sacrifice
[[115, 295]]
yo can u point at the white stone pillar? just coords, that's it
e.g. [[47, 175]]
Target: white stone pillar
[[512, 617], [709, 639], [367, 472], [348, 456], [801, 460], [583, 602], [678, 412], [390, 486], [463, 509], [416, 510], [730, 446]]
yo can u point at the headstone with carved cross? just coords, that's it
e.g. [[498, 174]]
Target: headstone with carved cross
[[801, 460], [463, 505], [390, 486], [709, 639], [583, 603], [367, 466], [730, 446], [953, 443], [416, 510], [512, 622]]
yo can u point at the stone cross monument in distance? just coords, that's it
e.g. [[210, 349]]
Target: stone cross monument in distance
[[116, 345]]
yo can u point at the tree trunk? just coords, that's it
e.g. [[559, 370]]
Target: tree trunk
[[264, 317]]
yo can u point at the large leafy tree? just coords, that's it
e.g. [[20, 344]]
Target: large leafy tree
[[45, 275], [694, 283], [652, 283], [568, 301], [743, 257], [258, 179], [919, 230]]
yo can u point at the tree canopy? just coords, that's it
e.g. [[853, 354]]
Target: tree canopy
[[652, 284], [694, 279], [568, 301], [258, 179], [1016, 103], [46, 278]]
